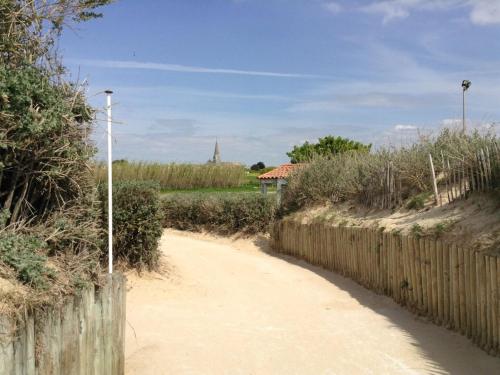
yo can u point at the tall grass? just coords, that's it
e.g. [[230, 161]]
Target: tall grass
[[388, 177], [176, 176]]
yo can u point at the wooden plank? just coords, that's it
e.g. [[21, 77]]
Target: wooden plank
[[434, 278], [494, 306], [428, 275], [478, 298], [413, 268], [30, 345], [482, 299], [461, 289], [420, 268], [455, 285], [447, 294], [399, 268], [406, 272], [473, 295], [498, 299], [468, 283], [488, 303], [440, 277], [69, 348], [6, 347]]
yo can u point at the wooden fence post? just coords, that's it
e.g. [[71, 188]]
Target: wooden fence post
[[434, 182]]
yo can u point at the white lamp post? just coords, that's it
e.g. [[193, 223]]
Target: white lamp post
[[110, 185]]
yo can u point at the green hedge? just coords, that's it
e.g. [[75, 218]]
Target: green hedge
[[220, 213], [137, 222]]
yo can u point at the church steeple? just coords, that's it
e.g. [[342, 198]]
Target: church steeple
[[216, 159]]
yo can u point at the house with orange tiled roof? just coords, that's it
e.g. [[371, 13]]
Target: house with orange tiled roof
[[278, 176]]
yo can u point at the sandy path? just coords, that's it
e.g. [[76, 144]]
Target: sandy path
[[229, 308]]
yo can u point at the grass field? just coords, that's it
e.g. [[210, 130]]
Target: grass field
[[251, 185]]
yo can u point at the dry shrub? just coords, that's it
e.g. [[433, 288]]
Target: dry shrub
[[387, 178]]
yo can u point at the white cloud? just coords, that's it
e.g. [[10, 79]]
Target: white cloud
[[404, 128], [482, 12], [118, 64], [486, 12], [333, 7], [451, 122], [356, 100], [389, 9]]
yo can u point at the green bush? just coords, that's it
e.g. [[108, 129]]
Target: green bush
[[20, 253], [137, 222], [44, 151], [417, 202], [219, 213]]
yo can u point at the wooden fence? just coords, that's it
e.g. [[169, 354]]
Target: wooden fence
[[85, 336], [451, 174], [476, 172], [455, 287]]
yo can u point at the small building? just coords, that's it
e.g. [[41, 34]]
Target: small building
[[278, 177]]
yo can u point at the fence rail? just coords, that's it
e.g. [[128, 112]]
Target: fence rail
[[455, 287]]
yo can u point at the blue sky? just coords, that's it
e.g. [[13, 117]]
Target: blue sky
[[263, 75]]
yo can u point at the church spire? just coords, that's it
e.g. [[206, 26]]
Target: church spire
[[216, 159]]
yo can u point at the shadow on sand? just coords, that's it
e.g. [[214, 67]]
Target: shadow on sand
[[445, 351]]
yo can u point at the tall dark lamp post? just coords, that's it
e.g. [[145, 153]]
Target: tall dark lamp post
[[465, 85]]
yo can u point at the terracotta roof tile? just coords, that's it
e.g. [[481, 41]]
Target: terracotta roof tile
[[283, 171]]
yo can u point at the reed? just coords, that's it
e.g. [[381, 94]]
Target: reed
[[175, 176]]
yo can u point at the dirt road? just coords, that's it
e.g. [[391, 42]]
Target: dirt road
[[230, 308]]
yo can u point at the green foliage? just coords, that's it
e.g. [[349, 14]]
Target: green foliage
[[137, 222], [43, 144], [46, 191], [176, 176], [258, 166], [326, 146], [443, 227], [220, 213], [417, 230], [20, 253], [417, 202]]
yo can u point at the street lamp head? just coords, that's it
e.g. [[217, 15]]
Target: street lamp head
[[466, 84], [110, 92]]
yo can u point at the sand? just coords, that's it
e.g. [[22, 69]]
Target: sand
[[229, 307], [473, 222]]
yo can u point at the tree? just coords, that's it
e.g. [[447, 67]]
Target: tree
[[326, 146], [258, 166]]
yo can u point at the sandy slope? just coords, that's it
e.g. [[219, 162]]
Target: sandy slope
[[230, 308]]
